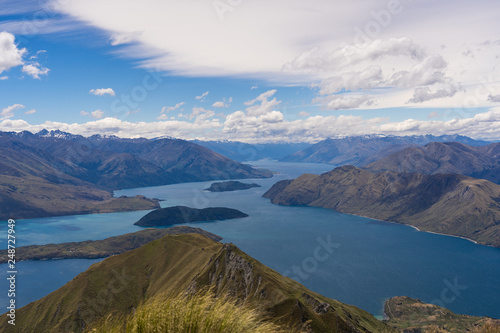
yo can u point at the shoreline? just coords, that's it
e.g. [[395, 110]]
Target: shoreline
[[416, 228]]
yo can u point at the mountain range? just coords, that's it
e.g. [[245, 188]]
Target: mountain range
[[444, 203], [445, 157], [241, 151], [57, 173], [362, 150], [117, 163]]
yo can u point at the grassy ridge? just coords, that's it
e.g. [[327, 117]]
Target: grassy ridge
[[198, 313], [100, 248], [180, 264]]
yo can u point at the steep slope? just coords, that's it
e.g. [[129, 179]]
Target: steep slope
[[184, 160], [57, 173], [362, 150], [33, 183], [412, 315], [452, 157], [118, 163], [178, 264], [444, 203]]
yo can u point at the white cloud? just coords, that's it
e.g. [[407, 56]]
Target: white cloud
[[307, 43], [200, 114], [304, 114], [219, 104], [84, 113], [427, 72], [102, 92], [351, 81], [426, 94], [203, 96], [10, 55], [124, 38], [265, 106], [8, 112], [224, 103], [344, 102], [34, 70], [32, 111], [272, 127], [167, 109], [2, 78], [97, 114], [318, 59]]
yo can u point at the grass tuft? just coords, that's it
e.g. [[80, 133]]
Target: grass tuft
[[198, 313]]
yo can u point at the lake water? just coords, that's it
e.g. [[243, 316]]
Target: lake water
[[367, 261]]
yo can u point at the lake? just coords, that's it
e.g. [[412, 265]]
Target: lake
[[367, 261]]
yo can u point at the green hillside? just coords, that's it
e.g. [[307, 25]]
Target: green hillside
[[183, 265]]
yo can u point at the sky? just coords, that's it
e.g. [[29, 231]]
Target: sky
[[251, 71]]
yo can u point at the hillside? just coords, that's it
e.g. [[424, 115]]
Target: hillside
[[362, 150], [444, 203], [452, 157], [26, 196], [412, 315], [117, 163], [182, 214], [56, 173], [99, 248], [176, 265]]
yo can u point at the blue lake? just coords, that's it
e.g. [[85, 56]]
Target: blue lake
[[366, 262]]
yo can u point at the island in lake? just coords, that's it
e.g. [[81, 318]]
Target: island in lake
[[231, 185], [183, 214]]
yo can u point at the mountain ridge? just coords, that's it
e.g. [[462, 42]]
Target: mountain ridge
[[444, 203], [449, 157], [180, 264], [57, 173], [362, 150]]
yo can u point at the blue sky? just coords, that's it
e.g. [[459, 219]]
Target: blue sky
[[251, 71]]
